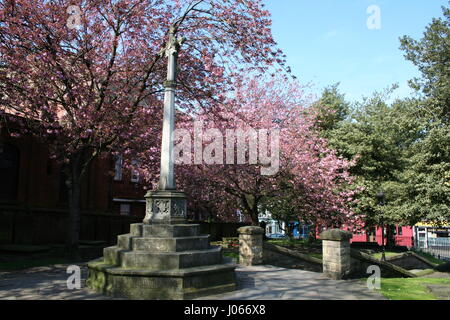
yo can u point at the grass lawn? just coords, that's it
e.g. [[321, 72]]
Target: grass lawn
[[387, 254], [315, 255], [430, 257], [294, 242], [233, 255], [227, 250], [410, 288], [427, 256], [425, 272]]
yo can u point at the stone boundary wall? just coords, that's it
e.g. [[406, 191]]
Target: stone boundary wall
[[361, 261], [286, 258], [410, 260], [339, 261], [46, 226]]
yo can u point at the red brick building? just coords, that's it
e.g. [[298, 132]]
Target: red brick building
[[33, 198], [401, 236], [29, 178]]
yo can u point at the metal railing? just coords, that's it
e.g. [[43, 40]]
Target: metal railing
[[438, 247]]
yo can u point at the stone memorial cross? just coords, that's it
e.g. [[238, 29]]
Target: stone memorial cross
[[167, 178], [167, 205]]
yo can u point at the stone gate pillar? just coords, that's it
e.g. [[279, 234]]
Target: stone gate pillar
[[336, 253], [250, 246]]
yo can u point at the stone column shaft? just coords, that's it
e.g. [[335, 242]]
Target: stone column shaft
[[167, 178]]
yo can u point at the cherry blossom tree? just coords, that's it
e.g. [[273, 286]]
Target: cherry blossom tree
[[86, 76], [310, 174]]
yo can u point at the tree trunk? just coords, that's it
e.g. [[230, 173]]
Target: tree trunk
[[383, 254], [312, 233], [73, 182], [251, 209], [290, 229], [255, 220], [255, 215], [390, 237], [263, 225]]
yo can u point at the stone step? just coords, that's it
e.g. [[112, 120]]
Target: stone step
[[136, 229], [186, 272], [124, 241], [111, 255], [186, 283], [170, 260], [154, 244], [164, 230]]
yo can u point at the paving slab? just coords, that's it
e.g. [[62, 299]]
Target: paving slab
[[440, 291], [274, 283], [253, 283], [43, 283]]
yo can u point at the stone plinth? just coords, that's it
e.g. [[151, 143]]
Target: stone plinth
[[165, 207], [336, 253], [250, 246], [163, 258]]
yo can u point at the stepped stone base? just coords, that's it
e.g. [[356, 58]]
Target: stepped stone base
[[162, 261], [180, 284]]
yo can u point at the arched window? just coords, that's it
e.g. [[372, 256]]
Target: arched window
[[9, 171]]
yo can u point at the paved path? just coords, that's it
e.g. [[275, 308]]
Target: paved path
[[445, 275], [254, 283], [274, 283], [43, 283]]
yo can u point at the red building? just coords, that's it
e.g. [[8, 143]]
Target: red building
[[402, 236], [29, 178]]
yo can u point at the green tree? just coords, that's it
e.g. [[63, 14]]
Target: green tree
[[427, 195], [378, 137], [402, 149], [431, 55], [332, 108], [287, 207]]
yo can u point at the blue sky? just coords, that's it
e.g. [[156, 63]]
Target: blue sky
[[328, 41]]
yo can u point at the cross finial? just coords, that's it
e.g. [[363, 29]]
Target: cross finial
[[173, 45]]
